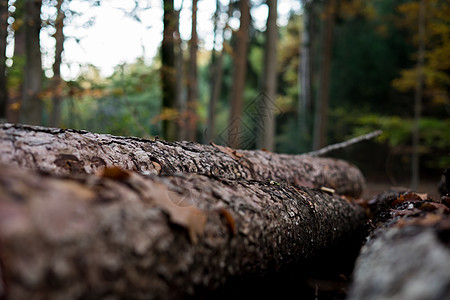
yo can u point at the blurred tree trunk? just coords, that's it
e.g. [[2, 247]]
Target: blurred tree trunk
[[321, 115], [216, 71], [180, 91], [268, 99], [55, 118], [240, 71], [16, 89], [31, 112], [415, 167], [191, 134], [168, 78], [305, 76], [3, 35]]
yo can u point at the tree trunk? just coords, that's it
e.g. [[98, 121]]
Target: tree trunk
[[239, 75], [407, 256], [130, 236], [269, 96], [305, 71], [3, 35], [216, 76], [192, 79], [321, 115], [215, 71], [55, 118], [66, 152], [31, 112], [415, 163], [15, 91], [168, 78], [180, 91]]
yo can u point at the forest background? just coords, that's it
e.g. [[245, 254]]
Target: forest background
[[322, 73]]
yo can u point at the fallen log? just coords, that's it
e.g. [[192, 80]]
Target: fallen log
[[66, 151], [408, 255], [124, 235]]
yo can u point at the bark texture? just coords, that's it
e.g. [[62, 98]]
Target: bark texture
[[114, 237], [408, 255], [65, 151]]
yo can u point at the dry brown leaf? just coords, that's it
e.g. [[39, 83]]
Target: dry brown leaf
[[432, 206], [189, 217], [114, 173], [409, 197], [230, 220], [430, 219], [227, 150]]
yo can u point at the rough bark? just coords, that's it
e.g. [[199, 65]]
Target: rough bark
[[112, 235], [408, 255], [65, 151]]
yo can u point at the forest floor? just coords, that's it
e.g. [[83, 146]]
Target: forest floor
[[426, 186]]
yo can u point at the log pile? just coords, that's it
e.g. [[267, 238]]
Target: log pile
[[89, 216], [93, 216]]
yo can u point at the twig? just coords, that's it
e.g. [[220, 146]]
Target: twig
[[347, 143]]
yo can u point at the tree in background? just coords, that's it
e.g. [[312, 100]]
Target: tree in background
[[239, 74], [415, 168], [305, 76], [180, 102], [16, 72], [55, 118], [3, 35], [321, 113], [267, 105], [168, 78], [192, 82], [431, 75], [216, 69], [31, 109]]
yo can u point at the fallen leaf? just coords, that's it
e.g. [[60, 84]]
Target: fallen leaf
[[409, 197], [432, 206], [230, 220], [189, 217], [114, 173], [157, 167], [227, 150], [430, 219]]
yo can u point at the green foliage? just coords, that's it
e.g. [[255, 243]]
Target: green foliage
[[127, 103], [434, 133]]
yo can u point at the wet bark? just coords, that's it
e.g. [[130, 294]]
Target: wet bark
[[116, 236], [408, 255], [66, 151]]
